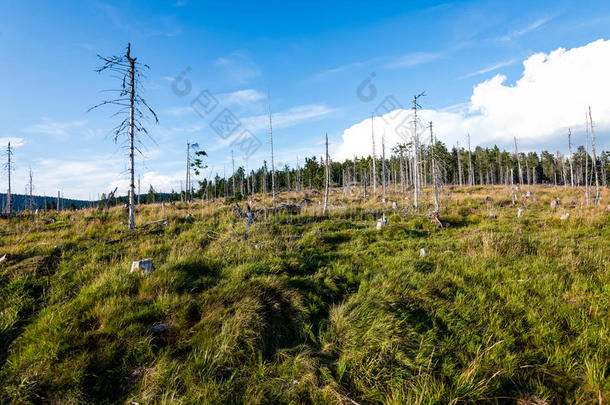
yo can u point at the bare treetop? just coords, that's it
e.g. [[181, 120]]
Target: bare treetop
[[120, 67]]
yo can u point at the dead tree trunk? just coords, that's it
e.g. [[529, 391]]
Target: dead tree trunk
[[587, 195], [271, 141], [233, 169], [383, 165], [9, 196], [470, 171], [186, 179], [130, 102], [433, 169], [31, 186], [132, 97], [374, 164], [518, 162], [416, 177], [327, 182], [459, 163], [594, 159], [402, 172], [571, 157]]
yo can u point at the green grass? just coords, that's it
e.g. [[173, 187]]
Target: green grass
[[311, 309]]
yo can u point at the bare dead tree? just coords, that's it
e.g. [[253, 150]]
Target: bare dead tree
[[132, 106], [192, 163], [327, 182], [233, 167], [374, 159], [459, 163], [434, 171], [587, 195], [594, 159], [518, 162], [224, 178], [470, 171], [415, 141], [298, 176], [383, 163], [571, 157], [402, 171], [31, 189], [271, 140], [9, 169]]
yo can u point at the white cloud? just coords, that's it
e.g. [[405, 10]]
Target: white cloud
[[160, 182], [60, 130], [76, 177], [286, 118], [100, 173], [549, 98], [241, 97]]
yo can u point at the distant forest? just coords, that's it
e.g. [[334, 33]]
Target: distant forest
[[481, 166]]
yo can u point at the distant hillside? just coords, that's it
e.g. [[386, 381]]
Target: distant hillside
[[21, 201]]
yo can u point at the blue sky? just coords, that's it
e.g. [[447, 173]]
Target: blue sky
[[311, 56]]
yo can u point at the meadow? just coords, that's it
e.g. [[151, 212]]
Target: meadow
[[498, 308]]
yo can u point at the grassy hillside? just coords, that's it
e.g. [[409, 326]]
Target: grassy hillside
[[311, 309]]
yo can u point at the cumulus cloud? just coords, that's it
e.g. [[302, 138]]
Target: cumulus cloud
[[102, 173], [160, 183], [538, 109]]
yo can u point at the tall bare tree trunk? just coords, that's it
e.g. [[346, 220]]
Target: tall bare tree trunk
[[271, 141], [383, 164], [571, 157], [433, 169], [31, 202], [327, 182], [587, 195], [233, 167], [374, 159], [132, 95], [188, 172], [9, 196], [470, 171], [416, 178], [459, 162], [518, 162], [594, 159], [402, 172]]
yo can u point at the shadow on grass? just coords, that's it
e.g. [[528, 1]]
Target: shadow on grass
[[26, 282]]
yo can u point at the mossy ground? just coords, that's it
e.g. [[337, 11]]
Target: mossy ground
[[311, 309]]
